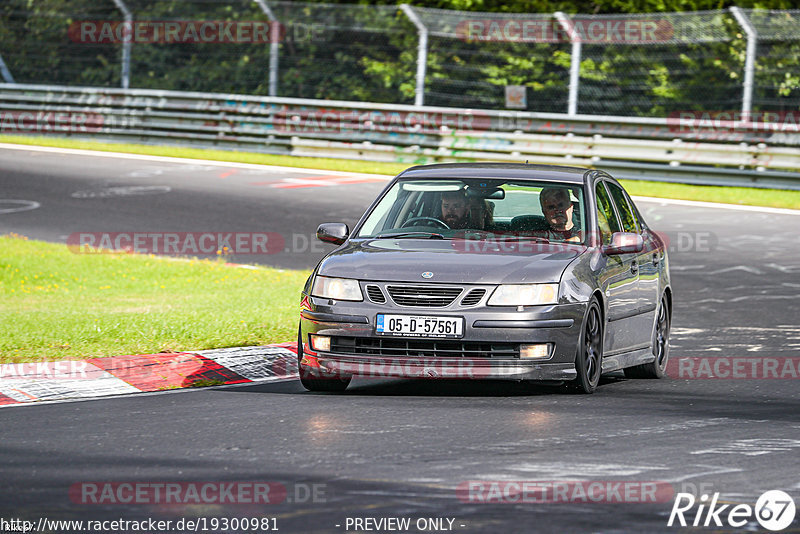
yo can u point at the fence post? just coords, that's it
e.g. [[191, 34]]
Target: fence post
[[575, 61], [5, 72], [422, 54], [126, 44], [274, 37], [749, 61]]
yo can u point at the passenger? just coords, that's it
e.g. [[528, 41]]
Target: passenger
[[481, 213], [558, 211]]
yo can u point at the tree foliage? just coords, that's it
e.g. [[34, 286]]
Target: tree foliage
[[365, 53]]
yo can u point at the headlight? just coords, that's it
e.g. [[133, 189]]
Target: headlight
[[336, 288], [524, 295]]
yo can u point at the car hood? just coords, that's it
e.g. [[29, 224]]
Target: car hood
[[450, 261]]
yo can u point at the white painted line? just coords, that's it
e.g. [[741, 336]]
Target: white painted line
[[251, 267], [753, 447], [712, 470], [700, 204], [167, 159], [15, 206], [122, 191], [275, 168]]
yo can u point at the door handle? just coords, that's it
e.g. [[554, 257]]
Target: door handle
[[656, 260], [634, 267]]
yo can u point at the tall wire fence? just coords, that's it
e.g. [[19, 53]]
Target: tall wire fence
[[624, 65]]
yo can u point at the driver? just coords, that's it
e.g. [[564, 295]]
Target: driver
[[455, 209]]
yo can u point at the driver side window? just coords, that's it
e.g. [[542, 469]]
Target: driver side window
[[606, 218], [625, 211], [417, 205]]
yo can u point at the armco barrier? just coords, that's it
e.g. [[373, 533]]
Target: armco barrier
[[702, 151]]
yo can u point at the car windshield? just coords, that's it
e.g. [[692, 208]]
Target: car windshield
[[447, 208]]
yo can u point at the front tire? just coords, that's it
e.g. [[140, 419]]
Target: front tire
[[312, 379], [659, 347], [589, 359]]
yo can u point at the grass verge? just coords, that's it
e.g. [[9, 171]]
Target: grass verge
[[729, 195], [55, 304]]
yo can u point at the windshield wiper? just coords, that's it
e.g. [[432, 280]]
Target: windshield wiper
[[402, 235], [506, 237]]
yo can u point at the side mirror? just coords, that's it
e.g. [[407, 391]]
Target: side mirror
[[624, 243], [335, 233]]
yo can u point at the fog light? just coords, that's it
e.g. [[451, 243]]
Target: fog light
[[320, 343], [540, 351]]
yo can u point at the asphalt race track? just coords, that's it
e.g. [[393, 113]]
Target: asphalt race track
[[401, 449]]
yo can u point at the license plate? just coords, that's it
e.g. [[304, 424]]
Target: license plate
[[419, 326]]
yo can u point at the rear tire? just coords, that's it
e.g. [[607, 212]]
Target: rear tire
[[312, 379], [589, 359], [659, 347]]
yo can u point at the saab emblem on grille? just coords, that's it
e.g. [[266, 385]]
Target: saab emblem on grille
[[427, 274]]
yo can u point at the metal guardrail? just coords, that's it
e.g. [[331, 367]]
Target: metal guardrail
[[699, 151]]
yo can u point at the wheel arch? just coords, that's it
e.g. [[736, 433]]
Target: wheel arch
[[602, 301], [668, 295]]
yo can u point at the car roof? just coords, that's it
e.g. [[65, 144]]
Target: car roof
[[516, 171]]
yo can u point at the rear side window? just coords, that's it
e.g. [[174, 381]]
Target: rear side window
[[606, 219], [624, 208]]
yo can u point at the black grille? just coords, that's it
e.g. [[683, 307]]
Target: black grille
[[375, 294], [424, 296], [418, 348], [473, 297]]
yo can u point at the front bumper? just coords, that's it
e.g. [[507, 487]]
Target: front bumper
[[409, 367], [557, 325]]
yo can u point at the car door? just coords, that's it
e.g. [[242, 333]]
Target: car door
[[649, 266], [642, 262], [619, 279]]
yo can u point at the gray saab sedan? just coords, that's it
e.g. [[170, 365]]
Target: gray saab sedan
[[489, 271]]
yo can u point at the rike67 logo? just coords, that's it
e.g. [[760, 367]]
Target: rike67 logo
[[774, 510]]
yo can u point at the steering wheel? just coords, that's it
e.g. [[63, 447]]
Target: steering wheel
[[431, 219]]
